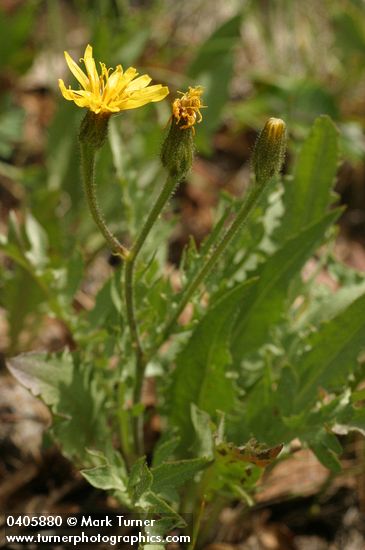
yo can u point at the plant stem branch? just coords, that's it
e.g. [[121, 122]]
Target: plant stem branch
[[88, 177], [247, 206], [141, 360]]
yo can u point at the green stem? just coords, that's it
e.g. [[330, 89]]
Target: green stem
[[196, 525], [88, 176], [141, 360], [211, 521], [136, 343], [204, 522], [247, 206], [124, 426]]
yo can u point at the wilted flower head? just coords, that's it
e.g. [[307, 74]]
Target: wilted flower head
[[186, 109], [111, 91], [177, 150]]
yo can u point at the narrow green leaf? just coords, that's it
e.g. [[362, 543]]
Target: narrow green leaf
[[201, 368], [267, 300], [308, 196], [219, 43], [286, 389]]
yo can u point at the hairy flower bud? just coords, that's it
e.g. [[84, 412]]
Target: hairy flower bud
[[94, 129], [269, 152], [178, 148]]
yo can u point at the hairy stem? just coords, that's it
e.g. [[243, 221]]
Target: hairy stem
[[141, 360], [88, 177]]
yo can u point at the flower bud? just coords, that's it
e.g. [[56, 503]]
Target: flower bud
[[94, 129], [269, 152], [178, 148]]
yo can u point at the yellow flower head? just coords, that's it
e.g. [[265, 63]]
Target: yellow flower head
[[187, 108], [111, 91]]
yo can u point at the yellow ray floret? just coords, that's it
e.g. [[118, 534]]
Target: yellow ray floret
[[186, 109], [111, 91]]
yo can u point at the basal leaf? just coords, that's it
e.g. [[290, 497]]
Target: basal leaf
[[81, 423], [42, 374], [72, 392]]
